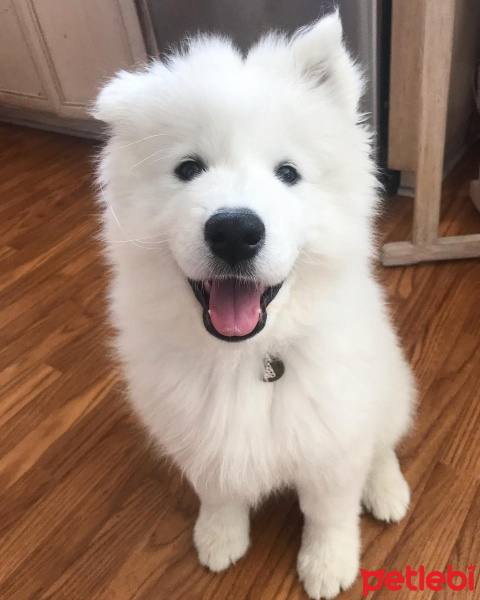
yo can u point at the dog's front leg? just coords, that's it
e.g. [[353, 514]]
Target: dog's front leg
[[222, 532], [328, 560]]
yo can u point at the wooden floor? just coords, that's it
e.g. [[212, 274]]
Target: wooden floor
[[87, 512]]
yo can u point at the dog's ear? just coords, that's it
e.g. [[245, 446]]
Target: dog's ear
[[120, 102], [111, 105], [319, 54]]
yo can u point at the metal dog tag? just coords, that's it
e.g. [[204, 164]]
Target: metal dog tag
[[273, 368]]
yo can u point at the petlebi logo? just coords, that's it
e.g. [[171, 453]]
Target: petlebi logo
[[419, 580]]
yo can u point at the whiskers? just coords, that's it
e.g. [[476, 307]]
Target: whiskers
[[309, 260], [166, 151], [138, 242], [148, 137], [164, 155]]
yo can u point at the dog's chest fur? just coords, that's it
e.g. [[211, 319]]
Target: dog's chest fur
[[228, 429]]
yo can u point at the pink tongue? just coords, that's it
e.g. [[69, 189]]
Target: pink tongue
[[234, 307]]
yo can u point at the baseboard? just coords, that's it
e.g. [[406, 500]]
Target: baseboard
[[39, 120]]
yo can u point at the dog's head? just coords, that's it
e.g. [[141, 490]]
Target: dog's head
[[251, 167]]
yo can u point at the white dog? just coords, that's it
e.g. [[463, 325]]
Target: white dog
[[239, 195]]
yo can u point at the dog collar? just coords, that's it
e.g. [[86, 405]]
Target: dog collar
[[273, 368]]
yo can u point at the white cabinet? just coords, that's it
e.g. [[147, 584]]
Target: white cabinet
[[21, 81], [54, 54]]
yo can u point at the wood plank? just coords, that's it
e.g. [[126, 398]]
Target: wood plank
[[467, 549], [436, 53], [450, 248], [404, 84]]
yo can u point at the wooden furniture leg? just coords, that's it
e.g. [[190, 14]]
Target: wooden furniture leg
[[437, 22]]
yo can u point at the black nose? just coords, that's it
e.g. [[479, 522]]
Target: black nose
[[235, 235]]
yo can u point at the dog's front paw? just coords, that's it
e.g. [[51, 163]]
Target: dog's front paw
[[387, 495], [387, 501], [221, 536], [327, 564]]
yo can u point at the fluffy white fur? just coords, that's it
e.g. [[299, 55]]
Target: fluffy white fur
[[329, 426]]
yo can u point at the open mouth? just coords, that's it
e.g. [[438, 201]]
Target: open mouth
[[233, 309]]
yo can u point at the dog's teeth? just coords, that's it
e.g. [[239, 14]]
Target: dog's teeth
[[208, 311]]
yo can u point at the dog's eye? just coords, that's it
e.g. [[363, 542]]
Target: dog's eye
[[287, 174], [189, 169]]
